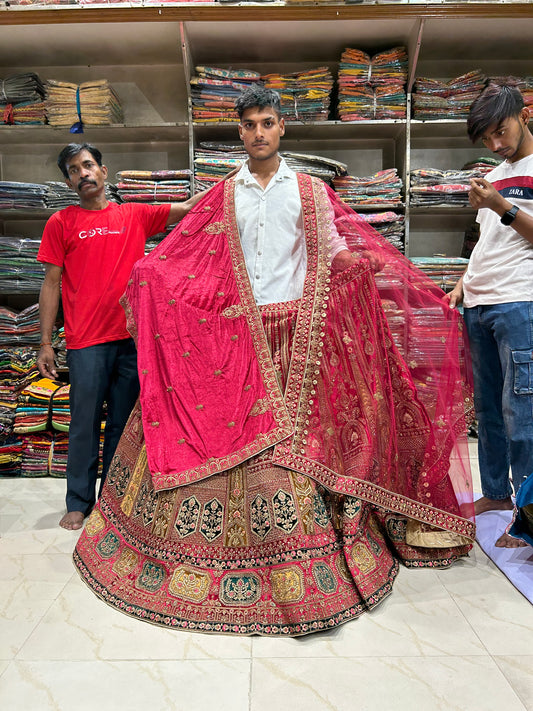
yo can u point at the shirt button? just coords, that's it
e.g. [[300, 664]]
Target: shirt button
[[257, 276], [260, 253]]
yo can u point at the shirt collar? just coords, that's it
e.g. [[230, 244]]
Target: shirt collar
[[283, 173]]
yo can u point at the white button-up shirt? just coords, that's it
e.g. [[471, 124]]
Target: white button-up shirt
[[271, 229]]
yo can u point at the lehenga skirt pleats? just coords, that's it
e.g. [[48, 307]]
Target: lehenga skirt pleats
[[257, 549]]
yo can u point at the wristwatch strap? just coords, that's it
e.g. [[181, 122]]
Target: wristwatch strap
[[509, 216]]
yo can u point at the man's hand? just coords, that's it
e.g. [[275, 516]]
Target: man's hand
[[455, 297], [484, 194], [46, 362]]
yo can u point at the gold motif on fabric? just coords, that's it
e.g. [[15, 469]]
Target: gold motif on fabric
[[260, 517], [188, 516], [151, 578], [189, 584], [362, 558], [215, 228], [108, 546], [127, 561], [240, 589], [236, 536], [304, 495], [163, 513], [342, 568], [233, 311], [135, 482], [212, 520], [95, 523], [285, 516], [287, 585], [260, 407]]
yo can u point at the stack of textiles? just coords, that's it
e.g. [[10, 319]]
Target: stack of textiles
[[153, 186], [372, 87], [60, 408], [154, 240], [389, 224], [435, 99], [36, 454], [320, 167], [20, 272], [21, 99], [20, 328], [214, 91], [305, 96], [22, 196], [430, 187], [93, 103], [60, 348], [33, 409], [11, 450], [525, 84], [17, 369], [58, 455], [444, 271], [381, 189], [59, 195], [212, 161], [482, 165]]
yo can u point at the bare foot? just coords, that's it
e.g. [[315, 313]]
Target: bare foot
[[72, 521], [507, 541], [484, 504]]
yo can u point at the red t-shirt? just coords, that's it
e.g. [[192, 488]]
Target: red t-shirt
[[97, 250]]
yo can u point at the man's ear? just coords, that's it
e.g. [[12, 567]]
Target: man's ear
[[104, 171], [282, 126]]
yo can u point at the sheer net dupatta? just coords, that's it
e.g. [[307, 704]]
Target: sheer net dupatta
[[431, 341]]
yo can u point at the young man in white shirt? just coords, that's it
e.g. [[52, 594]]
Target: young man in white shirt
[[497, 293]]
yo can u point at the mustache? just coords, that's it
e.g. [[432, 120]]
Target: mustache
[[86, 182]]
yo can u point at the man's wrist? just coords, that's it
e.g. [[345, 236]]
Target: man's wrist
[[509, 215]]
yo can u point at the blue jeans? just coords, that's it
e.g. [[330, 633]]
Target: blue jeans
[[501, 345], [105, 372]]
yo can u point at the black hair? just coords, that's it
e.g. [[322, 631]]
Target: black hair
[[260, 96], [72, 150], [497, 101]]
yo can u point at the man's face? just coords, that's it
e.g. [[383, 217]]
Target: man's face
[[86, 177], [507, 138], [260, 131]]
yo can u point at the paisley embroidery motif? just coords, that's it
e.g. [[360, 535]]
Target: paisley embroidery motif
[[212, 519], [284, 511], [188, 515]]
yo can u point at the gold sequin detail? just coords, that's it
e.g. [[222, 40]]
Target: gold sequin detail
[[162, 256], [186, 354], [199, 407]]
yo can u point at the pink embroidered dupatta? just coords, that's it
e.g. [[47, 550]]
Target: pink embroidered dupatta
[[354, 415]]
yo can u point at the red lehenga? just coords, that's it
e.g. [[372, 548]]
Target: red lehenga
[[282, 459]]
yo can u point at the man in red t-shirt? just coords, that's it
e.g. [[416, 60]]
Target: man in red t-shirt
[[89, 252]]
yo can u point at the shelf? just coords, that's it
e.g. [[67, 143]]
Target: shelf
[[115, 133], [328, 130]]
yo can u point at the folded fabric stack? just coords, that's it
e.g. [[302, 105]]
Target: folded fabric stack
[[34, 406], [22, 99], [19, 270], [482, 165], [22, 196], [212, 161], [60, 348], [214, 91], [430, 186], [153, 186], [383, 189], [444, 271], [319, 166], [59, 195], [305, 96], [57, 466], [93, 103], [36, 454], [60, 408], [11, 451], [19, 328], [154, 240], [17, 369], [372, 87], [435, 99], [389, 224]]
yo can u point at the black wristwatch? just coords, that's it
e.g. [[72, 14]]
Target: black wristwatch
[[509, 216]]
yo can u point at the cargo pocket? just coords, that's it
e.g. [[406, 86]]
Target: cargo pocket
[[523, 372]]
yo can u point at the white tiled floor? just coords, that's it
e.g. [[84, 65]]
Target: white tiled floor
[[460, 639]]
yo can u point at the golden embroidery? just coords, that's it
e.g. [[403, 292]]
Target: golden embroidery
[[304, 495], [127, 561], [260, 406], [233, 311], [199, 407], [235, 337], [287, 585], [235, 528], [163, 514], [189, 584], [162, 256], [143, 283], [135, 482], [191, 276], [212, 251], [95, 523], [363, 558], [215, 228]]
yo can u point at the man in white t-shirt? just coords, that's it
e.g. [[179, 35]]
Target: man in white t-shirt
[[497, 293]]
